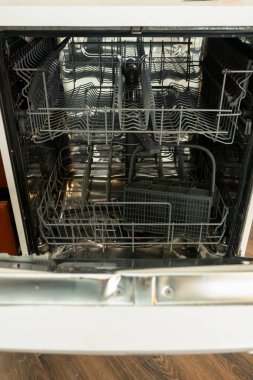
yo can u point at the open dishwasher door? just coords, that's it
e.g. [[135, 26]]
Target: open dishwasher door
[[177, 310], [126, 136]]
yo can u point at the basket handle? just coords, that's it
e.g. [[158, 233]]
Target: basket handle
[[199, 147]]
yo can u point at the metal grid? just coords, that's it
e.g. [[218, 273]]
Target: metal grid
[[191, 202], [29, 58], [189, 114], [60, 102], [179, 61], [147, 211], [188, 206], [228, 54], [102, 70], [175, 112], [179, 68], [67, 217], [134, 114], [67, 115]]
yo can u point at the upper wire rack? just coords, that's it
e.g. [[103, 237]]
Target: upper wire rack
[[90, 99]]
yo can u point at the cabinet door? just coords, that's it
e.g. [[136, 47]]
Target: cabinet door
[[8, 240]]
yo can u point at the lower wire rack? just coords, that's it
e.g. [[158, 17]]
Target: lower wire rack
[[67, 218]]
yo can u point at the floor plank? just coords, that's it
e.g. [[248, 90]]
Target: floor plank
[[19, 366], [236, 366], [188, 367]]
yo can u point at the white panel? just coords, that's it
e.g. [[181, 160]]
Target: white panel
[[215, 3], [98, 330], [221, 13]]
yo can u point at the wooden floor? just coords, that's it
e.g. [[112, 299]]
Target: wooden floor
[[68, 367], [15, 366]]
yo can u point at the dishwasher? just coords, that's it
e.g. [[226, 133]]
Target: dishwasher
[[128, 153]]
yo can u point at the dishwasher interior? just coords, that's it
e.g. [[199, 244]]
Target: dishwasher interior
[[134, 151]]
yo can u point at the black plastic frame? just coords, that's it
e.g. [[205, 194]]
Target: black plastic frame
[[8, 115], [144, 31]]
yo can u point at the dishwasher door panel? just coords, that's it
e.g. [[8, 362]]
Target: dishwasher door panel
[[127, 330]]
